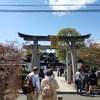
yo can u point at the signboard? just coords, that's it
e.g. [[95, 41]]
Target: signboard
[[54, 42]]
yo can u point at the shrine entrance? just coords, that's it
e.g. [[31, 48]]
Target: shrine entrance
[[35, 55], [50, 60]]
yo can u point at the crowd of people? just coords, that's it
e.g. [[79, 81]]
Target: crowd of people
[[86, 81], [39, 83], [83, 80]]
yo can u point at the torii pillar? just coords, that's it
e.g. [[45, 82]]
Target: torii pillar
[[68, 68], [34, 54], [38, 60], [74, 61]]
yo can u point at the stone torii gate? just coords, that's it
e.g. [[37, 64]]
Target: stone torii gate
[[35, 47]]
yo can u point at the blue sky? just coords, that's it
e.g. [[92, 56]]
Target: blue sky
[[47, 23]]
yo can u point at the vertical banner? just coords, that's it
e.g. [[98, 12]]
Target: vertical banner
[[54, 42]]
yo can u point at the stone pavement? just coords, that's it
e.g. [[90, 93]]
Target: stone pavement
[[67, 91], [64, 87], [21, 97], [68, 97], [78, 97]]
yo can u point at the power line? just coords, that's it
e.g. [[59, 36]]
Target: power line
[[45, 11], [58, 5]]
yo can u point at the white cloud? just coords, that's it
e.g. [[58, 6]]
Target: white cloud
[[62, 2], [45, 2]]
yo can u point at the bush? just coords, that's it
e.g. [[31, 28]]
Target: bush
[[22, 76]]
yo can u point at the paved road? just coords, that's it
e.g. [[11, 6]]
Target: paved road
[[69, 97], [21, 97], [78, 97]]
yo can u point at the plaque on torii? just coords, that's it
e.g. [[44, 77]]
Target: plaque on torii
[[71, 39]]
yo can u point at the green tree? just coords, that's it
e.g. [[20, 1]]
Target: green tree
[[29, 53], [91, 54], [65, 32], [41, 54]]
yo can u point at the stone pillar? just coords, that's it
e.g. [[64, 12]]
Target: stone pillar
[[38, 60], [34, 54], [68, 68], [74, 61]]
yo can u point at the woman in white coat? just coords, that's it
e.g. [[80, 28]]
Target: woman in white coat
[[52, 81]]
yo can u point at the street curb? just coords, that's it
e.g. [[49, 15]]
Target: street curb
[[83, 92], [67, 92]]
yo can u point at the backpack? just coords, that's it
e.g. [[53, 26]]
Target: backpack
[[93, 78], [27, 86], [76, 81], [47, 91]]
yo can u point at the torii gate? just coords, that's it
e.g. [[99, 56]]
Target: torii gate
[[72, 39]]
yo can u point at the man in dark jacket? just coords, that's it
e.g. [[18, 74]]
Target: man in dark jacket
[[41, 75]]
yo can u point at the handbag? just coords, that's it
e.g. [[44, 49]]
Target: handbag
[[76, 81]]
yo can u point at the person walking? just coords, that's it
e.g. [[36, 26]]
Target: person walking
[[41, 75], [50, 80], [86, 81], [83, 76], [93, 82], [61, 71], [78, 78], [36, 84], [58, 70]]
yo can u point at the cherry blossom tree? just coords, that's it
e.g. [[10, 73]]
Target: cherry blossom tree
[[10, 66]]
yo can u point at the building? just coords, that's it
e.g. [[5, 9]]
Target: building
[[48, 60]]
